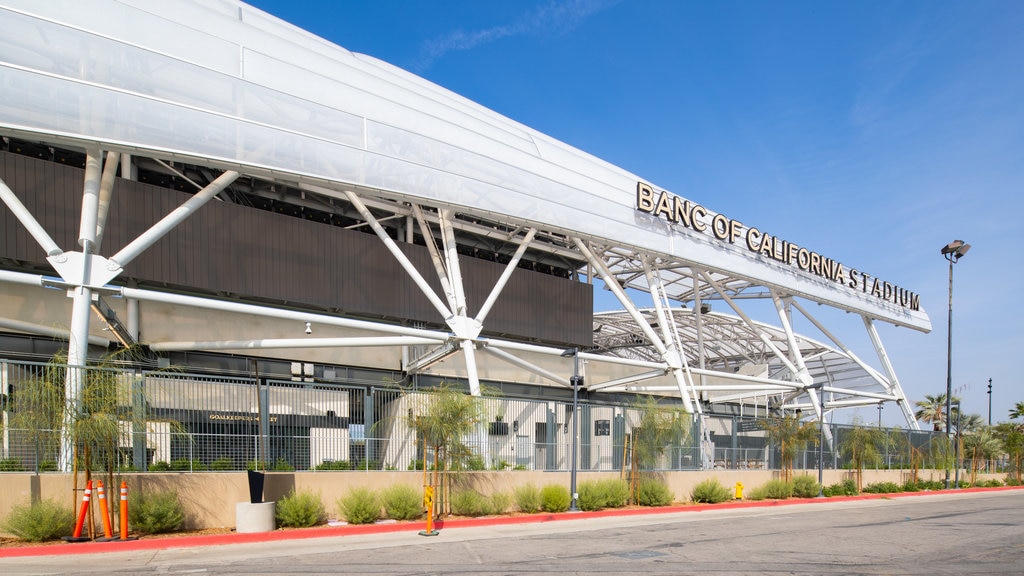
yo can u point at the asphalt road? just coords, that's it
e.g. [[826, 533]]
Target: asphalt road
[[936, 535]]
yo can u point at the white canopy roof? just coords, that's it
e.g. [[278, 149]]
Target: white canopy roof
[[229, 83], [221, 84]]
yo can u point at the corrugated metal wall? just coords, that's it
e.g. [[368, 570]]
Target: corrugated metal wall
[[225, 248]]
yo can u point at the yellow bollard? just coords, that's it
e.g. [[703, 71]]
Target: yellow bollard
[[428, 503], [739, 490]]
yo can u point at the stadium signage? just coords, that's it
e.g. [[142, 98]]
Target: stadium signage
[[691, 215]]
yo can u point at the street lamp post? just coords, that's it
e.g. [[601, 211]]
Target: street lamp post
[[575, 353], [821, 437], [956, 449], [989, 401], [952, 252]]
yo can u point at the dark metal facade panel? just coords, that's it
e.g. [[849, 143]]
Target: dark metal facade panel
[[247, 253]]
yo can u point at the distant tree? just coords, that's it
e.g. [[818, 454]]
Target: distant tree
[[1011, 434], [1017, 411], [932, 410], [981, 444]]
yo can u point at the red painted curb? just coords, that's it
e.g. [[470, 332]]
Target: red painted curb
[[354, 530]]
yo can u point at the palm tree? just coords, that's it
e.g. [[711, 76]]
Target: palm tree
[[790, 435], [1018, 411], [860, 444], [981, 444], [933, 410], [1011, 435]]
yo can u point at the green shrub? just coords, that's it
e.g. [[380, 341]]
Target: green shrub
[[416, 464], [40, 521], [155, 512], [555, 498], [991, 483], [909, 486], [528, 498], [653, 492], [469, 503], [334, 465], [882, 488], [300, 510], [598, 494], [48, 466], [710, 491], [282, 465], [402, 502], [185, 465], [805, 487], [1011, 481], [159, 466], [10, 465], [773, 490], [500, 502], [845, 488], [223, 463], [359, 506]]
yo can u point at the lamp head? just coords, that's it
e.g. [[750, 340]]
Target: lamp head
[[952, 247], [955, 250]]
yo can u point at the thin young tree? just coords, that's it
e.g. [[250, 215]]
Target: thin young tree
[[860, 445], [791, 436], [443, 418]]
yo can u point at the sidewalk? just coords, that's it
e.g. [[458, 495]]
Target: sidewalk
[[63, 549]]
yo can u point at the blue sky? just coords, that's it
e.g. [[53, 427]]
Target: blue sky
[[871, 132]]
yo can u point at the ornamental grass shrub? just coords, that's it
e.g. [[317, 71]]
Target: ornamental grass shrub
[[653, 492], [599, 494], [500, 502], [300, 510], [528, 498], [774, 489], [710, 491], [40, 521], [359, 505], [155, 512], [402, 502], [469, 502], [805, 487], [555, 498], [845, 488], [882, 488]]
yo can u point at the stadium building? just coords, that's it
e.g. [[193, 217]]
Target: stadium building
[[307, 234]]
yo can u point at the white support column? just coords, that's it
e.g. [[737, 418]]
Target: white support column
[[469, 350], [451, 261], [751, 325], [435, 256], [641, 322], [29, 221], [794, 349], [81, 310], [884, 382], [528, 366], [168, 222], [895, 388], [505, 275], [411, 270], [674, 353], [106, 192], [698, 325]]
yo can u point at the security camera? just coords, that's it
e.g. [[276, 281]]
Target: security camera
[[309, 328]]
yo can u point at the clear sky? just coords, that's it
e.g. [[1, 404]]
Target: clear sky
[[871, 132]]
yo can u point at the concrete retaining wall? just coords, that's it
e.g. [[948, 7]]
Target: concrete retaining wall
[[210, 498]]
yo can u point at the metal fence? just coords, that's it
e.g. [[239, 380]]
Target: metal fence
[[168, 420]]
